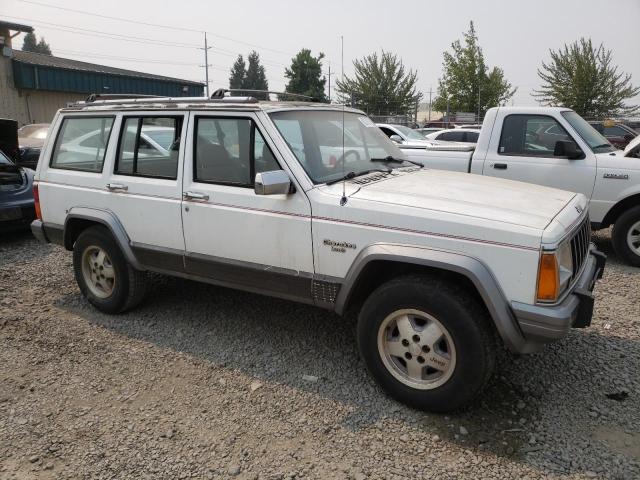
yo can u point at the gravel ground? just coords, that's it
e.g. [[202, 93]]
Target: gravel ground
[[204, 382]]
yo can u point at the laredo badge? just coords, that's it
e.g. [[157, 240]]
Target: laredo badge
[[338, 246]]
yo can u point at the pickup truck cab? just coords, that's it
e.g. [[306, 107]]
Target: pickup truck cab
[[440, 267], [557, 148]]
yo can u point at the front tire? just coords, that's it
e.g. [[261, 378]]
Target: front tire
[[103, 275], [427, 343], [626, 236]]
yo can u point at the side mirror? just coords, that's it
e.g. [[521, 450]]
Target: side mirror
[[396, 138], [276, 182], [569, 149]]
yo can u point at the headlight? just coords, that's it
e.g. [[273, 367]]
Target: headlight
[[554, 273]]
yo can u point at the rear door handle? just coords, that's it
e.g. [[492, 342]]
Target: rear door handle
[[500, 166], [203, 197], [117, 186]]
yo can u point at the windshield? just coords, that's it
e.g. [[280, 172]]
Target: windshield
[[410, 134], [315, 138], [33, 131], [597, 143]]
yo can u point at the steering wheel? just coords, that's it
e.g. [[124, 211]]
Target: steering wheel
[[348, 152]]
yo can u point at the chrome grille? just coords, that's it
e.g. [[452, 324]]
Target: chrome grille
[[580, 246]]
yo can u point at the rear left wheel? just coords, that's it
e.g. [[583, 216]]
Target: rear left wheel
[[103, 274]]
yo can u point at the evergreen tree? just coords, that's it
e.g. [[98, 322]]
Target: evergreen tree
[[31, 44], [305, 76], [238, 74], [467, 85], [256, 78], [583, 78]]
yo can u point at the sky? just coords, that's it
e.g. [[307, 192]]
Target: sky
[[514, 35]]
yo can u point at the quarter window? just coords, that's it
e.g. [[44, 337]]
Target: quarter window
[[452, 136], [531, 135], [230, 151], [82, 143], [149, 147]]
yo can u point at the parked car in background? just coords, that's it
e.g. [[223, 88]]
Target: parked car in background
[[474, 126], [404, 135], [427, 130], [464, 135], [30, 140], [618, 134], [16, 195], [555, 147]]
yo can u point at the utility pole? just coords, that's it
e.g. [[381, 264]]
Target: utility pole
[[329, 76], [206, 64], [430, 92]]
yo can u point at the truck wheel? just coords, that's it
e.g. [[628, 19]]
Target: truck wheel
[[427, 343], [626, 236], [103, 274]]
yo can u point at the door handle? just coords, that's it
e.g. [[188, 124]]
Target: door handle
[[203, 197], [117, 186], [500, 166]]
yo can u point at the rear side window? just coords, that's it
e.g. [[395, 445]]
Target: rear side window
[[149, 147], [82, 143], [472, 137]]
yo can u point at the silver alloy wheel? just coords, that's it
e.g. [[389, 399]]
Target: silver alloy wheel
[[97, 271], [633, 238], [416, 349]]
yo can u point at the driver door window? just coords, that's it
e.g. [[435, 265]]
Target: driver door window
[[531, 136], [230, 151]]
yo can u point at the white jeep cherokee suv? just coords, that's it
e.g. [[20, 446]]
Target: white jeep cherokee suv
[[263, 196]]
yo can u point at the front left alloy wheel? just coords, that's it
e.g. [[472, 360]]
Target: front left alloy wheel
[[427, 342]]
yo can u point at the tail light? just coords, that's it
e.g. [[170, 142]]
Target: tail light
[[36, 199]]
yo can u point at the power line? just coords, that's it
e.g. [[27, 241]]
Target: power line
[[149, 24]]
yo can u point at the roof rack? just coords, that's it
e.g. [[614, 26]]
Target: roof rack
[[116, 96], [220, 93], [128, 99]]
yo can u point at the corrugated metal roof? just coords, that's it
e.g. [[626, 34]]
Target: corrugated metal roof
[[58, 62]]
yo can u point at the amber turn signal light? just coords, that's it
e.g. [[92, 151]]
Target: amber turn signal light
[[548, 278]]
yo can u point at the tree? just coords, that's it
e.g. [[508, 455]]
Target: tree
[[305, 76], [238, 74], [467, 84], [583, 78], [255, 78], [30, 44], [380, 86]]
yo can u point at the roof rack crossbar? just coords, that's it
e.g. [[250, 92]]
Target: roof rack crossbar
[[124, 99]]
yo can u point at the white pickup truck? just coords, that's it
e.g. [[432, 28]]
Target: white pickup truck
[[557, 148]]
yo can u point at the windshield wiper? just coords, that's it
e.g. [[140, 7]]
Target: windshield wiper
[[352, 174], [396, 160]]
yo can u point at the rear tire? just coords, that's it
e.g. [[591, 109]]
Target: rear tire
[[626, 236], [103, 274], [427, 343]]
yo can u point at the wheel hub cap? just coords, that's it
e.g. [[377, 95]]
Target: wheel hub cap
[[416, 349], [98, 272]]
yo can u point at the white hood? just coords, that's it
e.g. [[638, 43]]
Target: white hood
[[471, 195]]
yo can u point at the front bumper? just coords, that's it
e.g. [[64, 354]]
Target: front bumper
[[543, 324]]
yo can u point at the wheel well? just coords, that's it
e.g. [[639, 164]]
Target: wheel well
[[377, 272], [74, 227], [618, 209]]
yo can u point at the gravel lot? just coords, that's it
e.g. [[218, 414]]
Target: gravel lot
[[204, 382]]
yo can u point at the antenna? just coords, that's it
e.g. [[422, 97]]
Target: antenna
[[343, 200]]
